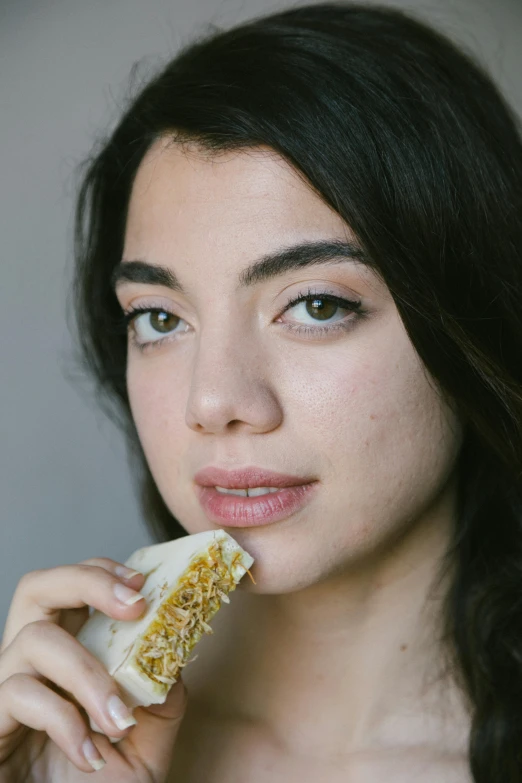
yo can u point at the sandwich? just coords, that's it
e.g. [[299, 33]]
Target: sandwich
[[187, 581]]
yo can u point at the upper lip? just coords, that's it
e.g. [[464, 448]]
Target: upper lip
[[247, 477]]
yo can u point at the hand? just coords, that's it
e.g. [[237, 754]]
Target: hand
[[49, 681]]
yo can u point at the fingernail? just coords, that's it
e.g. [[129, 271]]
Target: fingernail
[[120, 713], [126, 595], [92, 755], [125, 573]]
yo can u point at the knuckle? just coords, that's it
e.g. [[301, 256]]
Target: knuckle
[[26, 582], [42, 632], [86, 568], [92, 577], [65, 722], [100, 562], [93, 570], [87, 667], [91, 672], [37, 630], [13, 684], [68, 712], [91, 562]]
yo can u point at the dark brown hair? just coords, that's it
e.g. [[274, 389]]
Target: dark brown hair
[[408, 139]]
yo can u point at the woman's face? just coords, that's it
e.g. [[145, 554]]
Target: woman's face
[[232, 377]]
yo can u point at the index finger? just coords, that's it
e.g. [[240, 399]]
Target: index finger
[[73, 619], [44, 594], [116, 568]]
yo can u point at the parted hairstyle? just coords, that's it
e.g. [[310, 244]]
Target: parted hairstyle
[[404, 134]]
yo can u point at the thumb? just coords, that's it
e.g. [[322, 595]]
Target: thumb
[[153, 738]]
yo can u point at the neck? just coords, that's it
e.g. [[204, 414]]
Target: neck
[[350, 664]]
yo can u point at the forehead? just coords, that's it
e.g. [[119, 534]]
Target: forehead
[[254, 189], [196, 210]]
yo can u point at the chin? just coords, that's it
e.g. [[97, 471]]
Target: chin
[[281, 565], [270, 583], [289, 556]]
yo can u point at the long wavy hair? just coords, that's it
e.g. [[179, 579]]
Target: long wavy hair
[[404, 134]]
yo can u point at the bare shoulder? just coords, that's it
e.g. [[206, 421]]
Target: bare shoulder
[[228, 751]]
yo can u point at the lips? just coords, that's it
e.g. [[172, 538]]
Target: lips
[[236, 511], [248, 477]]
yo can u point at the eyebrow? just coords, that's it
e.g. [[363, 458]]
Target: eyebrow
[[272, 265]]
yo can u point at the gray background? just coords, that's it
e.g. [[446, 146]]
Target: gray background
[[65, 489]]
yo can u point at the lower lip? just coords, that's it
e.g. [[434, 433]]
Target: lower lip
[[238, 511]]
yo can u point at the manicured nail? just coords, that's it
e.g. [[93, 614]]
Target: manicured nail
[[120, 713], [125, 573], [92, 754], [126, 595]]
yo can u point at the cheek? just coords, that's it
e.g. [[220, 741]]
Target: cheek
[[360, 404], [384, 445], [361, 413], [158, 402], [356, 401]]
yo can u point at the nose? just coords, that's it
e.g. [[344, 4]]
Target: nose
[[231, 388]]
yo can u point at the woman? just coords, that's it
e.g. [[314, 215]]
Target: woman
[[299, 253]]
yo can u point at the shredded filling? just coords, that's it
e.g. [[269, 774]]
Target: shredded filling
[[183, 618]]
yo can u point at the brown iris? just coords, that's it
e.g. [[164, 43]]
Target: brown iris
[[162, 321], [321, 308]]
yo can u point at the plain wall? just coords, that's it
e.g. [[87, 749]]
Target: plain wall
[[65, 488]]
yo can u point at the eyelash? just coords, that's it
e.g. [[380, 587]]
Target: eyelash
[[345, 304]]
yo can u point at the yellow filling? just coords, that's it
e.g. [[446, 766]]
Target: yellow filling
[[183, 617]]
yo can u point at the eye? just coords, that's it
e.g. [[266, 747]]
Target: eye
[[320, 312], [150, 325], [319, 308]]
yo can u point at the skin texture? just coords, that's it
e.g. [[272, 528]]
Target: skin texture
[[336, 650], [49, 683]]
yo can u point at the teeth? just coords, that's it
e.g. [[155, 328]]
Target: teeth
[[252, 492], [242, 492], [255, 491]]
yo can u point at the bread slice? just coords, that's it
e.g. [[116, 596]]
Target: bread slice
[[187, 581]]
